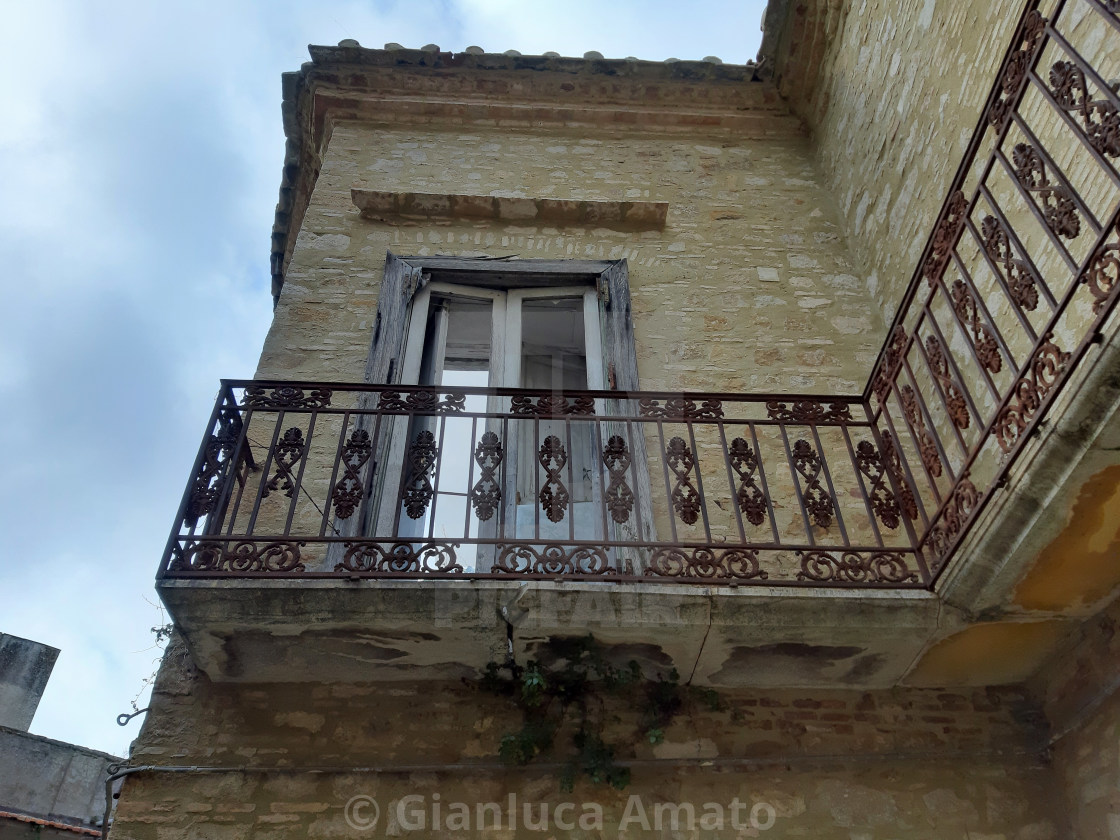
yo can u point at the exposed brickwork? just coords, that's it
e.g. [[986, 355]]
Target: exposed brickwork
[[912, 763]]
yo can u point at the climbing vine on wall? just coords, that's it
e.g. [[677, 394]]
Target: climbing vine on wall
[[567, 697]]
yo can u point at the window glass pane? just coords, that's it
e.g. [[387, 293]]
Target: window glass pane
[[553, 357], [553, 352], [457, 350]]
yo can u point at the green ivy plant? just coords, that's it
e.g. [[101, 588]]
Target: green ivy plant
[[572, 691]]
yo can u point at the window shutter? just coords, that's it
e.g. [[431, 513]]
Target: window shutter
[[400, 283], [398, 286], [622, 375]]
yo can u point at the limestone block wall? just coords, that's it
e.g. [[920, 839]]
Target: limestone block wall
[[284, 761], [750, 286], [892, 90]]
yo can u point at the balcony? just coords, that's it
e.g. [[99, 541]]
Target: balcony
[[415, 515], [341, 531]]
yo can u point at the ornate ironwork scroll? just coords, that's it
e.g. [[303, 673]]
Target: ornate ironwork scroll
[[987, 350], [926, 445], [880, 567], [1030, 392], [207, 484], [554, 495], [400, 558], [418, 489], [1058, 207], [749, 497], [945, 237], [818, 502], [619, 499], [1103, 273], [289, 452], [954, 398], [892, 361], [892, 461], [809, 411], [686, 501], [486, 494], [284, 397], [238, 556], [883, 501], [421, 402], [551, 405], [1015, 74], [953, 516], [1020, 279], [680, 409], [553, 560], [348, 492], [706, 563], [1099, 117]]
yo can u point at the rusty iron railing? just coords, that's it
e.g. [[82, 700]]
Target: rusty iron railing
[[1019, 278], [316, 479]]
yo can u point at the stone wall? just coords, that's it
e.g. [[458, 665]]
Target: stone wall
[[892, 90], [52, 779], [1080, 685], [838, 764], [750, 225]]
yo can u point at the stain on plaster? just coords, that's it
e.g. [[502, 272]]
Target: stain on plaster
[[1079, 567], [997, 653]]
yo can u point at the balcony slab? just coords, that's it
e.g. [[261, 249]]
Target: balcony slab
[[313, 630]]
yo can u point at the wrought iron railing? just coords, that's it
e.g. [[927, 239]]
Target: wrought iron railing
[[1019, 278], [353, 481]]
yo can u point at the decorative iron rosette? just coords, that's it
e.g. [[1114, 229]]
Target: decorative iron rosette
[[680, 408], [421, 402], [1103, 273], [945, 237], [892, 361], [486, 494], [1100, 121], [706, 563], [879, 567], [809, 411], [685, 499], [348, 491], [618, 498], [818, 502], [749, 497], [1015, 74], [551, 405], [1058, 206], [1030, 392], [553, 496], [552, 560], [285, 397], [953, 517], [237, 557], [400, 558]]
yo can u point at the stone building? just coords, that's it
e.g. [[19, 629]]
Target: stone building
[[48, 788], [790, 383]]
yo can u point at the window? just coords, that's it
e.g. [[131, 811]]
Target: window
[[527, 324]]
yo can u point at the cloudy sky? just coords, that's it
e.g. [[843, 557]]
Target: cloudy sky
[[141, 146]]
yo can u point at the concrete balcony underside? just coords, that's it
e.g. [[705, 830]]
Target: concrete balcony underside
[[375, 630]]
